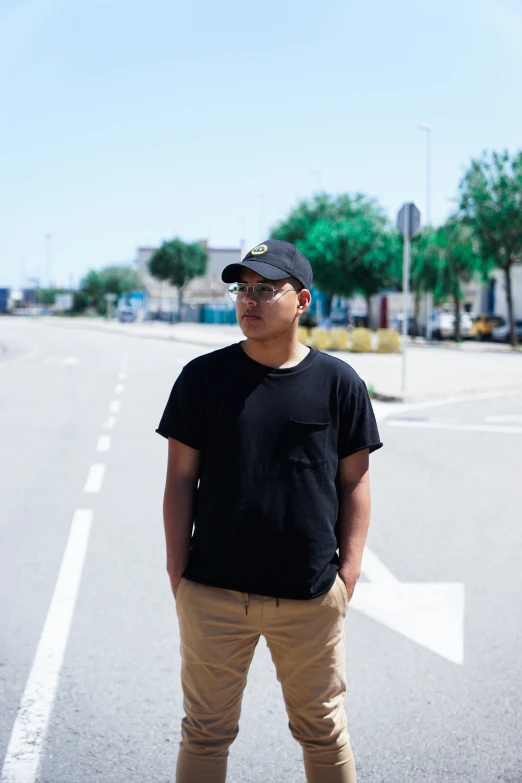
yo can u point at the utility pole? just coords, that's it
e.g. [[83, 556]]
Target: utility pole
[[423, 126], [405, 294], [48, 260]]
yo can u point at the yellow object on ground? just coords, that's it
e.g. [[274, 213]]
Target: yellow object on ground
[[338, 339], [388, 341], [361, 340], [318, 338], [302, 335]]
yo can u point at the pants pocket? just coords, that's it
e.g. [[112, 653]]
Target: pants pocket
[[344, 592]]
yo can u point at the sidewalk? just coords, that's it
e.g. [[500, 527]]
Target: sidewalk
[[432, 371], [197, 334]]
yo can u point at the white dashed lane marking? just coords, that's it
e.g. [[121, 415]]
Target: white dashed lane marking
[[504, 419], [22, 759], [438, 425], [94, 478], [104, 443]]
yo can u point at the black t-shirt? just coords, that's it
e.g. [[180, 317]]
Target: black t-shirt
[[270, 441]]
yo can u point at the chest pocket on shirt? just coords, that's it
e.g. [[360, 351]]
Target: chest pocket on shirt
[[305, 442]]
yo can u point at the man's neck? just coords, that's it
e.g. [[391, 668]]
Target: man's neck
[[276, 353]]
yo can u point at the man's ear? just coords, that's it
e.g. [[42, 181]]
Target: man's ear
[[304, 299]]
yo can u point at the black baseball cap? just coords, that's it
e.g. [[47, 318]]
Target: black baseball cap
[[273, 260]]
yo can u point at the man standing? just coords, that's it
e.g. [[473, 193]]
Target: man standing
[[278, 436]]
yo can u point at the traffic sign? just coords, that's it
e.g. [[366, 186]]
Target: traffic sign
[[110, 297], [63, 301], [409, 220]]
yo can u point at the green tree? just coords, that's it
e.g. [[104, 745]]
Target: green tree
[[91, 291], [120, 280], [79, 302], [456, 253], [348, 242], [46, 296], [491, 201], [178, 262]]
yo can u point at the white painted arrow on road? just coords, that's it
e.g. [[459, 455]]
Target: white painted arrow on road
[[429, 613]]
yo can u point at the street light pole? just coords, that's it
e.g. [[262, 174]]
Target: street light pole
[[48, 259], [261, 217], [405, 294], [423, 126]]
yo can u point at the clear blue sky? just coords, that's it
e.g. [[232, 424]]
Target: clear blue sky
[[125, 123]]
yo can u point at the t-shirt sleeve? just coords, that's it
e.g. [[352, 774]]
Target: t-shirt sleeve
[[182, 418], [357, 425]]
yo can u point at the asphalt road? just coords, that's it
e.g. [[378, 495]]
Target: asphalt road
[[446, 509]]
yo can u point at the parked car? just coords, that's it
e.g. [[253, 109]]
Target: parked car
[[443, 325], [501, 333], [126, 315], [338, 318], [483, 325]]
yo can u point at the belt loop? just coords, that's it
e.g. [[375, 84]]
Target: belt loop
[[277, 603], [245, 599]]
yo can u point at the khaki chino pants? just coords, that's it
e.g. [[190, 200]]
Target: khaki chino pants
[[219, 631]]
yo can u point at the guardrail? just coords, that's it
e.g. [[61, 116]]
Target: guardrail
[[358, 340]]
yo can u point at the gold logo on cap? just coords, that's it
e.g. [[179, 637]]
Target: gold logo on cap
[[259, 250]]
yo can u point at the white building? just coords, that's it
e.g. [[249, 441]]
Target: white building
[[207, 289], [497, 293], [478, 298]]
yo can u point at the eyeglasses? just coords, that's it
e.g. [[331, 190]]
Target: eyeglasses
[[263, 292]]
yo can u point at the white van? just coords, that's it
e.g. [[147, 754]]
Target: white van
[[443, 324]]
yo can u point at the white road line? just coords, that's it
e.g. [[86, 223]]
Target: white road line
[[122, 376], [119, 388], [115, 406], [22, 759], [125, 362], [383, 410], [430, 614], [436, 425], [375, 571], [94, 478], [109, 424], [104, 443], [504, 419]]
